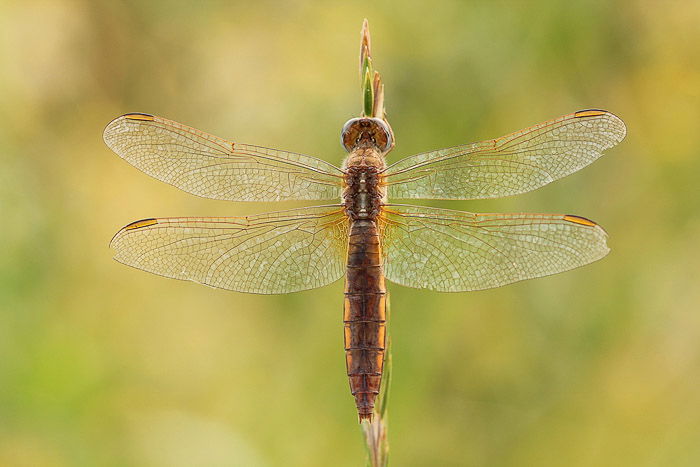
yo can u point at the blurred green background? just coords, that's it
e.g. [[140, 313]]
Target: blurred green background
[[105, 365]]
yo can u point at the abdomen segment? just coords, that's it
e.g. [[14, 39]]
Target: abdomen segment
[[364, 315]]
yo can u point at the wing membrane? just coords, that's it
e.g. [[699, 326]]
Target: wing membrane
[[270, 253], [212, 167], [454, 251], [515, 163]]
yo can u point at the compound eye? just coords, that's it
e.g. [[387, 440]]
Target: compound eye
[[383, 137], [349, 134]]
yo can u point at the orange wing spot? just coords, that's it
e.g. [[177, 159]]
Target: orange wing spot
[[233, 146], [141, 223], [579, 220], [139, 116], [589, 113]]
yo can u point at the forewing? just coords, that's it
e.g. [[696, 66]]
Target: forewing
[[512, 164], [453, 251], [270, 253], [212, 167]]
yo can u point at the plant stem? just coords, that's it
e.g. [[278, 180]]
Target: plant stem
[[375, 431]]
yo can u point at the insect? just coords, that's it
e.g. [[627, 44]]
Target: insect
[[364, 237]]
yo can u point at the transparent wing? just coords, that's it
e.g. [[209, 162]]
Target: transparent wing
[[270, 253], [454, 251], [512, 164], [212, 167]]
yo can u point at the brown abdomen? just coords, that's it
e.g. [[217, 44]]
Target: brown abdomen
[[365, 315]]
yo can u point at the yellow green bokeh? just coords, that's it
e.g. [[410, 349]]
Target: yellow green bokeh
[[105, 365]]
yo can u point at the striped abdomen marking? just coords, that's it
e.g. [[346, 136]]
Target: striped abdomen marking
[[364, 315]]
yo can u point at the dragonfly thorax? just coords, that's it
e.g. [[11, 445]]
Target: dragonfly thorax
[[362, 195]]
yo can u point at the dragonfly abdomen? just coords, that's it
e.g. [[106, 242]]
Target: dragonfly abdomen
[[364, 315]]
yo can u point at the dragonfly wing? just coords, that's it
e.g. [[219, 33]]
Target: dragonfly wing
[[453, 251], [512, 164], [208, 166], [278, 252]]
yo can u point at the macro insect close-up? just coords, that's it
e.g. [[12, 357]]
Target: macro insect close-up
[[251, 233], [366, 237]]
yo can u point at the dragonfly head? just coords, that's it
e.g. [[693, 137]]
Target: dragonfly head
[[366, 132]]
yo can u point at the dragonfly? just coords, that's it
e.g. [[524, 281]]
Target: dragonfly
[[365, 237]]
